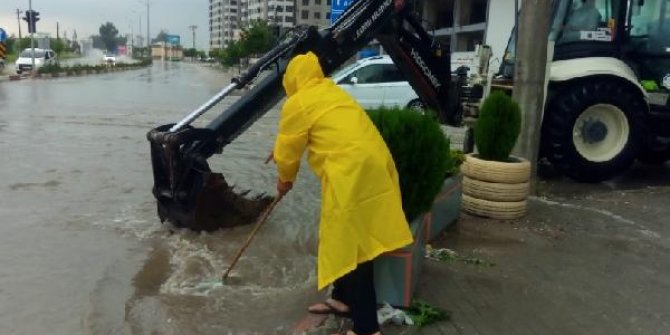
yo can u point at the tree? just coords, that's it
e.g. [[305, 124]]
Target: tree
[[256, 39], [58, 45], [190, 52], [108, 35], [232, 54], [161, 37]]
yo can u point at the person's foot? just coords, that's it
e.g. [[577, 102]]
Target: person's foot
[[330, 306], [350, 332]]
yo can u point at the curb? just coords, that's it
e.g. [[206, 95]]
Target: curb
[[65, 74]]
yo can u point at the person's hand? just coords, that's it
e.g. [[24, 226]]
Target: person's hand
[[283, 186], [271, 157]]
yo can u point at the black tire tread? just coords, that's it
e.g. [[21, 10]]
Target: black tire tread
[[563, 112]]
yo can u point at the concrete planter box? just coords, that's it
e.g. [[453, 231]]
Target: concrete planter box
[[446, 207], [397, 272]]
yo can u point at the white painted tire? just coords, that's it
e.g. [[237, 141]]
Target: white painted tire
[[495, 191], [496, 172], [493, 209]]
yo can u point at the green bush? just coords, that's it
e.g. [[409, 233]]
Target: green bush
[[420, 151], [50, 68], [497, 127]]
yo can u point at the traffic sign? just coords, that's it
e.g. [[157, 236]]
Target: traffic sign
[[337, 8], [172, 39], [3, 50], [3, 35]]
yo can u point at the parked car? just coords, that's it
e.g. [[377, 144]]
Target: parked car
[[42, 57], [375, 82], [109, 59]]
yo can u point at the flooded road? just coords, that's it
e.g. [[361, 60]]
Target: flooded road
[[81, 248]]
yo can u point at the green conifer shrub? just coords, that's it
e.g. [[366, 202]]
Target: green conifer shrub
[[497, 127], [421, 154]]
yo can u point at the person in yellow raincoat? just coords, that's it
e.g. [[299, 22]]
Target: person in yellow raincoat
[[361, 208]]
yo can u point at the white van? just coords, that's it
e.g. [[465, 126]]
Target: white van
[[376, 82], [42, 57]]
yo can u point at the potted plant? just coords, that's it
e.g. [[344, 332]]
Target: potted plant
[[422, 156], [495, 184]]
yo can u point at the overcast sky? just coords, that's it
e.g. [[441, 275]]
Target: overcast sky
[[86, 16]]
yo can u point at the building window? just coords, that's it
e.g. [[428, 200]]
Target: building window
[[288, 19], [317, 2], [328, 2], [328, 16], [305, 2], [233, 3], [317, 15], [304, 15], [279, 9]]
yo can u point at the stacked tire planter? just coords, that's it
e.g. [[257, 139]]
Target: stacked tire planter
[[498, 190]]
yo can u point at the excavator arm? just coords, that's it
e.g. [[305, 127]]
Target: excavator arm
[[190, 195]]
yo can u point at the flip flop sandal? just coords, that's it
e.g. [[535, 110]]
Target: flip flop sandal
[[330, 309]]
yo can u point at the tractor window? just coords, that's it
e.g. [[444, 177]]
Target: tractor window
[[585, 20], [650, 26]]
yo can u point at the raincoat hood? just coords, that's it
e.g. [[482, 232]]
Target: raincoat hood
[[302, 71]]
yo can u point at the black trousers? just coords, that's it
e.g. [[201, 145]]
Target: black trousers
[[357, 290]]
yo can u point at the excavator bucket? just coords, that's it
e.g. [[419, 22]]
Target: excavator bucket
[[187, 192]]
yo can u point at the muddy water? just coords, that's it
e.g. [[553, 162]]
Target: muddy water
[[81, 249]]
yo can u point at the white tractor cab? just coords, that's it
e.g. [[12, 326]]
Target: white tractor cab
[[607, 102], [42, 57]]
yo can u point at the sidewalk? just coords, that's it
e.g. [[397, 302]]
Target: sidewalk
[[588, 259]]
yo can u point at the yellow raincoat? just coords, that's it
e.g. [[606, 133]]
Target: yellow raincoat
[[361, 209]]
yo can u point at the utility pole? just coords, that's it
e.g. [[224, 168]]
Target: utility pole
[[148, 36], [193, 28], [57, 30], [18, 20], [529, 78]]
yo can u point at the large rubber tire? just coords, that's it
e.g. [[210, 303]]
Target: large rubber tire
[[495, 191], [496, 172], [559, 130], [493, 209], [653, 157]]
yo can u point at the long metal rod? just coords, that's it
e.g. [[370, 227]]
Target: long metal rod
[[261, 221], [204, 108]]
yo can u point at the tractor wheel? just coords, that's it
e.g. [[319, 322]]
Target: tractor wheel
[[593, 129], [654, 156]]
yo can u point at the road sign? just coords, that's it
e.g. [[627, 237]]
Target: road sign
[[3, 35], [3, 50], [172, 39], [337, 8]]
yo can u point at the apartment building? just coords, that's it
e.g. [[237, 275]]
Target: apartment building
[[313, 12], [275, 12], [224, 22], [463, 24]]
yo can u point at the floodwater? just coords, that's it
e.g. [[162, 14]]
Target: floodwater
[[81, 248]]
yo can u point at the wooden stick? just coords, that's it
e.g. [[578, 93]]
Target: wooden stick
[[261, 221]]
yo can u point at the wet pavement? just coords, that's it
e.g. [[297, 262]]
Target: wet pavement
[[588, 259], [81, 248], [82, 251]]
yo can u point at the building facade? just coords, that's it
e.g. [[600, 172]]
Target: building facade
[[224, 22], [313, 13], [463, 24]]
